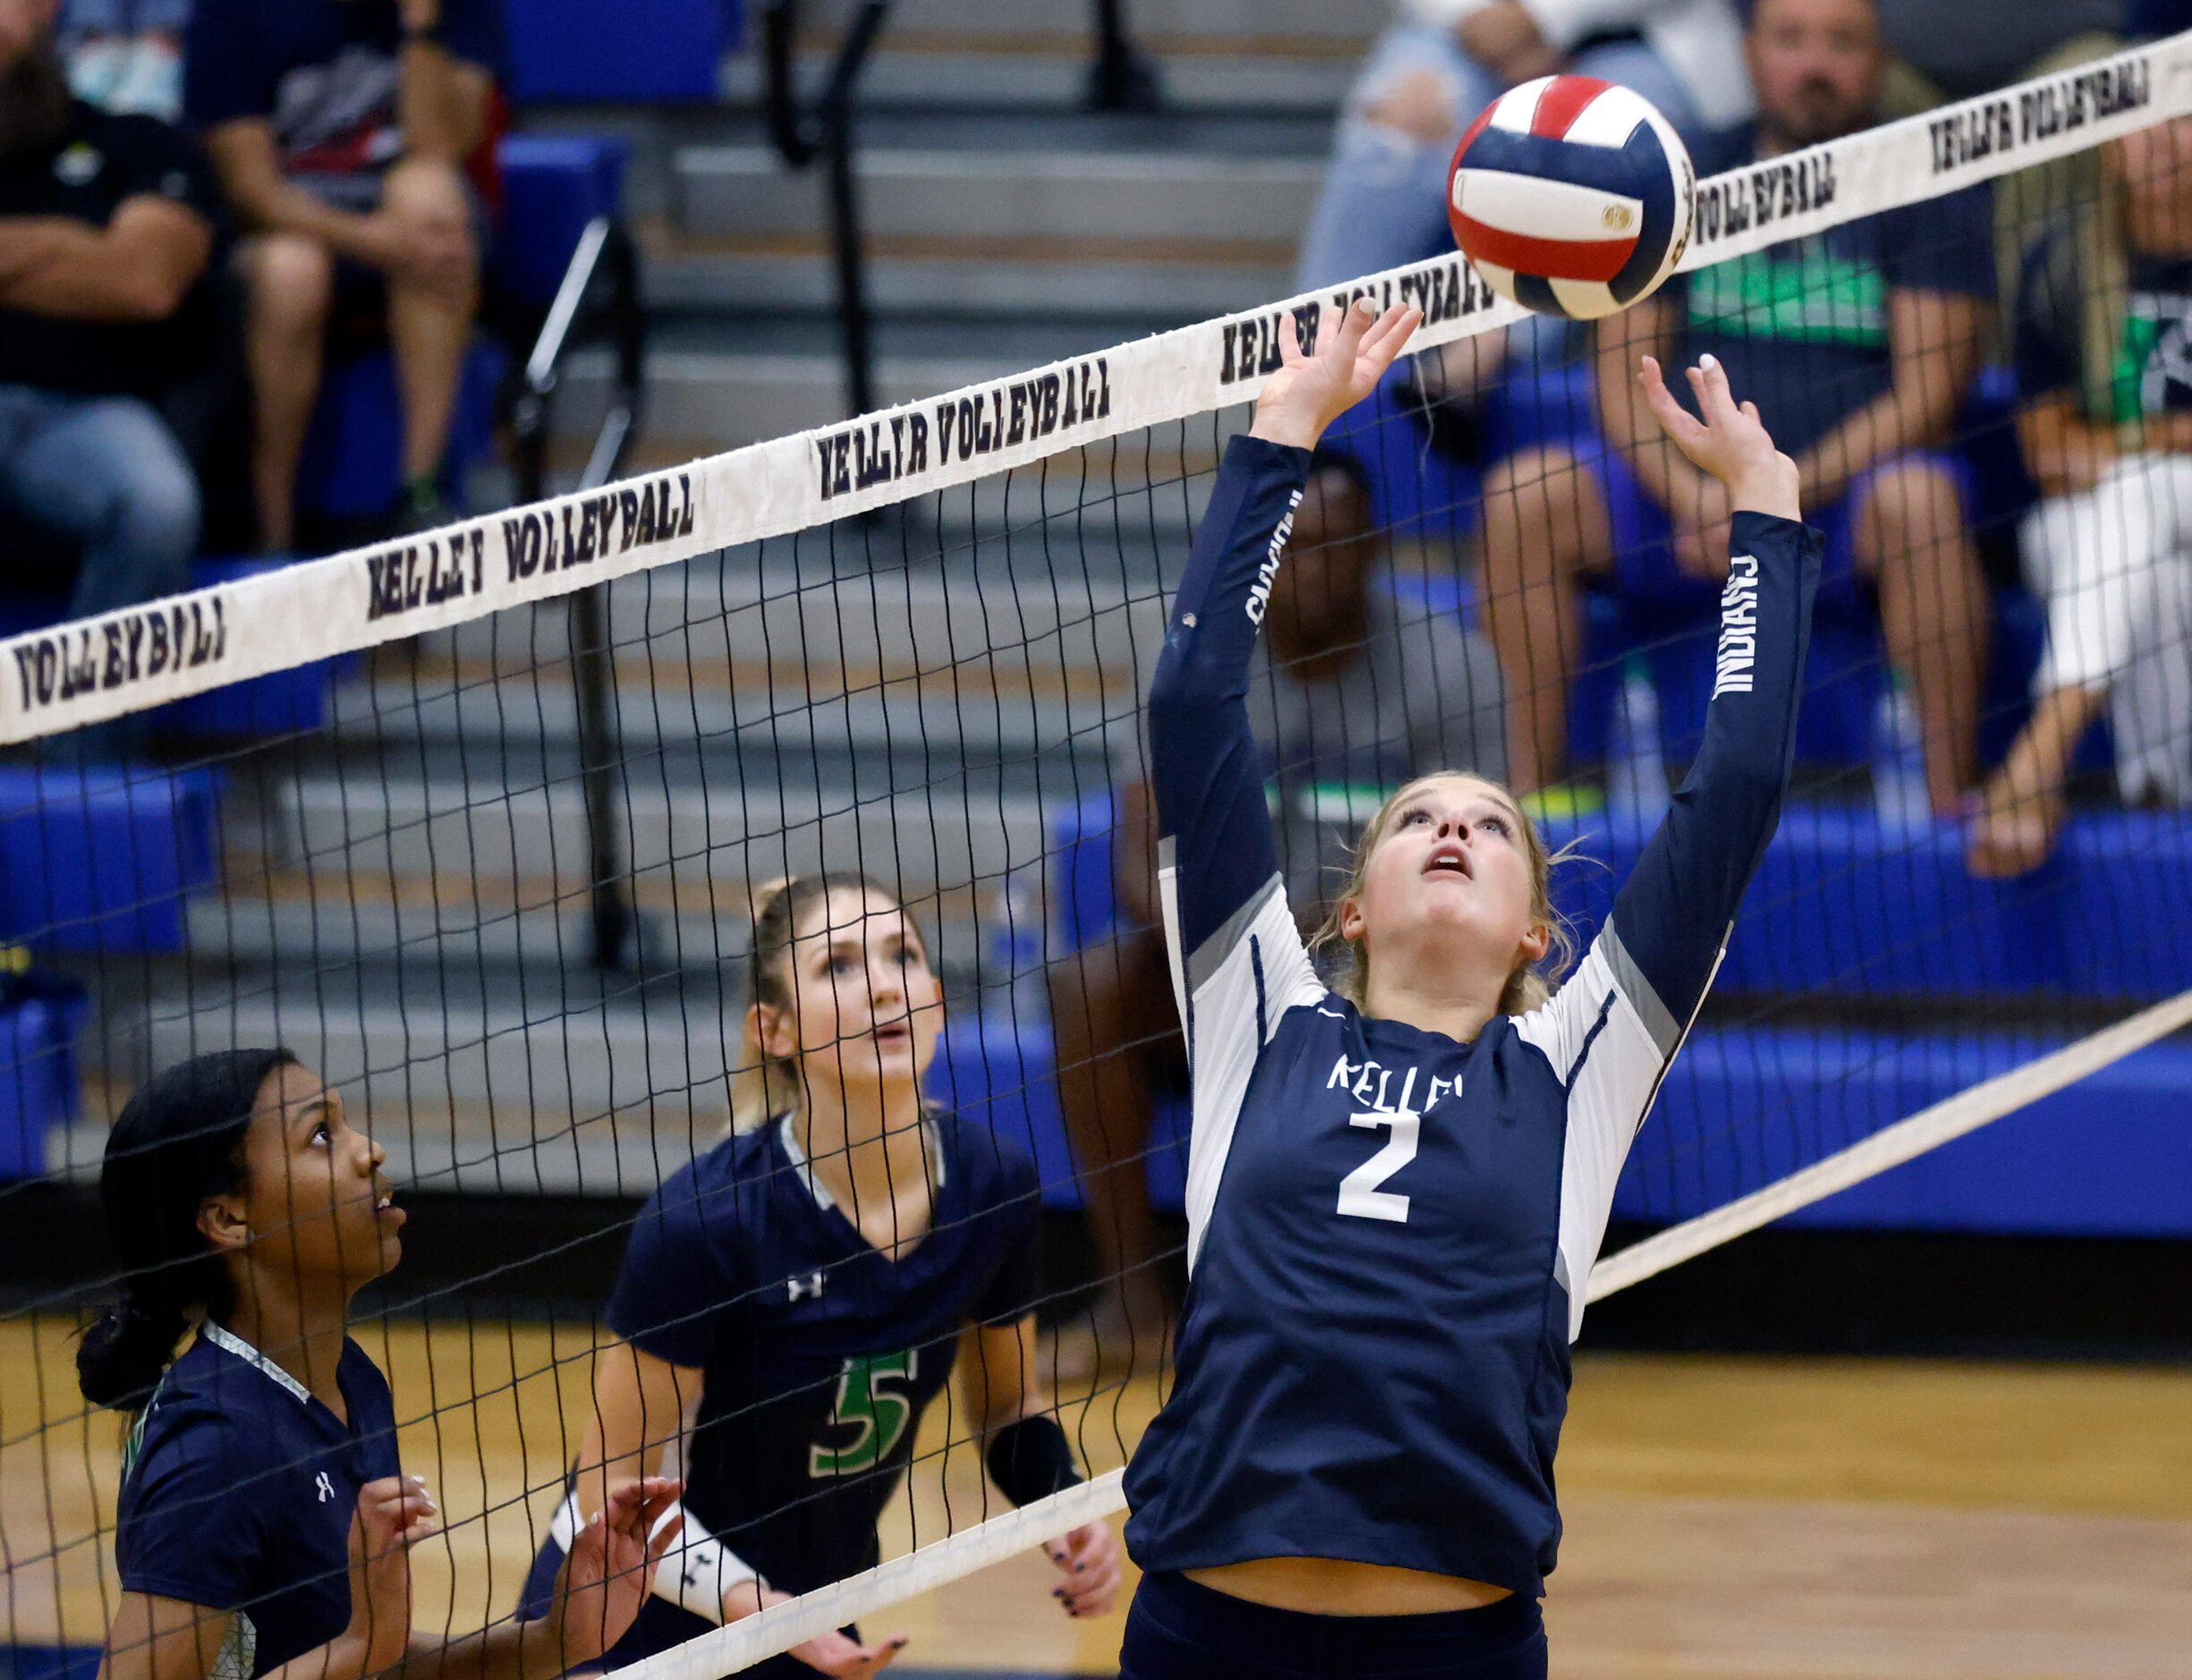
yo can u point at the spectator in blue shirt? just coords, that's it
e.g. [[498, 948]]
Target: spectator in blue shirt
[[1860, 342], [340, 128], [106, 227]]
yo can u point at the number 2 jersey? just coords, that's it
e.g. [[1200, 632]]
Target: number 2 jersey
[[1391, 1232], [818, 1352]]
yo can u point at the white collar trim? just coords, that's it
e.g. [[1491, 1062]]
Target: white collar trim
[[788, 1134], [228, 1341]]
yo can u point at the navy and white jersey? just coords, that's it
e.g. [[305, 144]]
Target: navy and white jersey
[[819, 1352], [1390, 1231], [239, 1491]]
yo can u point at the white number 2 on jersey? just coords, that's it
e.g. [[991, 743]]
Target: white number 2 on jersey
[[1359, 1194]]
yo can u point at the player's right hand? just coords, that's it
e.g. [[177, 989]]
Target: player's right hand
[[394, 1514], [1731, 443], [837, 1654], [1313, 389]]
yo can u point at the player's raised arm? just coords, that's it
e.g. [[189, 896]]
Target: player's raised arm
[[1674, 913], [1218, 866]]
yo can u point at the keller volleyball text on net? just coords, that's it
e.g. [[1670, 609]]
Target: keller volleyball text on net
[[76, 674]]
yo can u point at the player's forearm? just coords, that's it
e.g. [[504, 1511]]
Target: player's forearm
[[508, 1651], [341, 1658], [1218, 611], [1674, 911]]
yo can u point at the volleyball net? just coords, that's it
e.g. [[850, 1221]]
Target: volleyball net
[[477, 822]]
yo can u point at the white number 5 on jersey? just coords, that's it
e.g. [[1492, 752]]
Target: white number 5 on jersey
[[1359, 1195]]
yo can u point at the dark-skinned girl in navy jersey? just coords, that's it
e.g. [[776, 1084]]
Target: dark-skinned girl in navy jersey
[[791, 1302], [1398, 1185], [264, 1520]]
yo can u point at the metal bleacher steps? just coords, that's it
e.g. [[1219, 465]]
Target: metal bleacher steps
[[1006, 224], [1261, 54], [403, 896]]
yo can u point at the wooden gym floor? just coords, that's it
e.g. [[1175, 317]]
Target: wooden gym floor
[[1730, 1519]]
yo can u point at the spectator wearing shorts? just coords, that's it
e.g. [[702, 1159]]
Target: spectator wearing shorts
[[107, 226], [1358, 693], [2103, 339], [340, 128], [1858, 344]]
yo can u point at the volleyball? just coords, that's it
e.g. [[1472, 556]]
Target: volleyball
[[1572, 196]]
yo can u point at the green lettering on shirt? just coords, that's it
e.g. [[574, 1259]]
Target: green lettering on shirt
[[1812, 296]]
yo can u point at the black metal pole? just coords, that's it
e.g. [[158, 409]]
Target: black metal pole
[[1122, 77], [605, 245], [853, 326], [593, 672]]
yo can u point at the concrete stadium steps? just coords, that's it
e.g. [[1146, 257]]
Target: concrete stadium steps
[[1102, 622], [268, 919], [1024, 195], [962, 829], [1261, 54], [718, 384], [1166, 283], [967, 719], [540, 1049]]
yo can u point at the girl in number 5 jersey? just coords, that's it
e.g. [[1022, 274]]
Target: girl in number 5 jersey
[[1397, 1189]]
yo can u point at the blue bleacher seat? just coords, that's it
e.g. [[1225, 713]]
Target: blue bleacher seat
[[633, 52], [2108, 1156], [101, 860], [1002, 1074], [1843, 904], [38, 1089], [553, 186]]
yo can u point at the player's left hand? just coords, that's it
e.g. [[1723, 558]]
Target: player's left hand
[[1089, 1558], [611, 1566]]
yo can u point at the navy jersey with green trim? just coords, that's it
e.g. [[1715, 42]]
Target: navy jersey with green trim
[[1390, 1231], [239, 1493], [818, 1354]]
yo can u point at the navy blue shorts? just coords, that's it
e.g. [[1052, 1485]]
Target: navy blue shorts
[[1180, 1630], [661, 1625]]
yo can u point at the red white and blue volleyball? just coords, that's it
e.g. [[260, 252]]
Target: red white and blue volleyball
[[1572, 196]]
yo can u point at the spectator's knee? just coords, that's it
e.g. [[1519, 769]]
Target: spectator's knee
[[1417, 106], [1916, 512], [292, 281], [1521, 489], [425, 190]]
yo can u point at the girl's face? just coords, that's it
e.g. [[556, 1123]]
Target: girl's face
[[1449, 881], [315, 1206], [865, 1008]]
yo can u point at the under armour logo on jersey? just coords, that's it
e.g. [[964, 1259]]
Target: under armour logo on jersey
[[325, 1487], [805, 1289]]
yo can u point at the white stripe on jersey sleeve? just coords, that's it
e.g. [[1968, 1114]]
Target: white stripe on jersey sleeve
[[1610, 1039], [1256, 960]]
